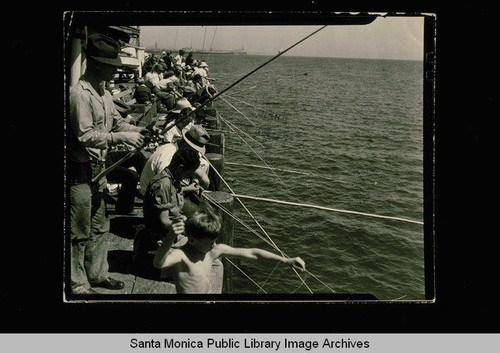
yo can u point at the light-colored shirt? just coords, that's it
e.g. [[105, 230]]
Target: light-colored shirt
[[163, 84], [200, 71], [161, 159], [92, 117], [153, 78], [158, 161]]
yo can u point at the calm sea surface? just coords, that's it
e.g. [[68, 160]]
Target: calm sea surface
[[356, 127]]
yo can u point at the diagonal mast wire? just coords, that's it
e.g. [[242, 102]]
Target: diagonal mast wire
[[258, 155], [238, 111], [230, 124]]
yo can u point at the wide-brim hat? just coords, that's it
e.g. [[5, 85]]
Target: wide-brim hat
[[103, 49], [196, 137]]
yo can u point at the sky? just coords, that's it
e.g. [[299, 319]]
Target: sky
[[385, 38]]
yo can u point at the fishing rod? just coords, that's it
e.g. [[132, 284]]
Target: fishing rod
[[105, 171]]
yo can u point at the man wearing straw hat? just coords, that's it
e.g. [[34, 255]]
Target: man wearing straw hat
[[94, 126]]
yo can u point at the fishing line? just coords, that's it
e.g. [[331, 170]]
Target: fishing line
[[249, 104], [243, 90], [232, 215], [326, 208], [254, 219], [270, 273], [238, 111], [258, 155], [230, 124], [131, 153], [279, 169], [320, 281], [239, 269]]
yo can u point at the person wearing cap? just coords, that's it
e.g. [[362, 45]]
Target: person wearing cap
[[202, 70], [152, 77], [195, 138], [94, 126]]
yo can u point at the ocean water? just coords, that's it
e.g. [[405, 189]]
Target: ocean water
[[355, 126]]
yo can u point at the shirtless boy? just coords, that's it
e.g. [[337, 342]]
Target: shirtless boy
[[192, 262]]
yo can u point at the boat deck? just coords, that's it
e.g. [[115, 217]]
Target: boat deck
[[121, 267], [120, 245]]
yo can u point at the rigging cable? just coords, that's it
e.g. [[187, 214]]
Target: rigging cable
[[230, 124], [254, 219], [269, 242], [204, 35], [210, 50], [230, 214], [258, 155]]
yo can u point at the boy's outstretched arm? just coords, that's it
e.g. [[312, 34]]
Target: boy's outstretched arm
[[258, 254]]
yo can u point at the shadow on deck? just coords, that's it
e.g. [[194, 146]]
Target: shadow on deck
[[121, 266]]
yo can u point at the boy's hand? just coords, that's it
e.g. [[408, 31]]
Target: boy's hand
[[178, 225], [298, 263]]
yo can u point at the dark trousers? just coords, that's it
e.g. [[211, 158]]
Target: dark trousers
[[168, 99], [128, 178]]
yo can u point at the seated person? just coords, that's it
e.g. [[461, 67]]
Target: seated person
[[142, 93], [163, 202], [195, 138], [124, 174], [152, 79]]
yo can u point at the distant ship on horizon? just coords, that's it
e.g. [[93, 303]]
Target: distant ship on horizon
[[240, 51]]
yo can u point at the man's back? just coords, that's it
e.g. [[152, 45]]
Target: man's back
[[158, 161]]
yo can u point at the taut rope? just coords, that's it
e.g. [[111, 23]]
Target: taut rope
[[325, 208]]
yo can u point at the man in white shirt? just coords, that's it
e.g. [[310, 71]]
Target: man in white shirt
[[195, 137]]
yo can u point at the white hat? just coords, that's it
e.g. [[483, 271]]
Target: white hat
[[196, 137]]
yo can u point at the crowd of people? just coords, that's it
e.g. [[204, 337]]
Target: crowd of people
[[171, 77], [174, 236]]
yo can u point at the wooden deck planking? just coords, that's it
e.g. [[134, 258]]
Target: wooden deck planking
[[120, 249]]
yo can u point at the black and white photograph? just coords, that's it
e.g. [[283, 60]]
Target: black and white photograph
[[276, 158]]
